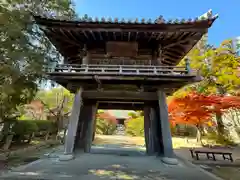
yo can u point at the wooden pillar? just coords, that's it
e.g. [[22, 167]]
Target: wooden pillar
[[73, 123], [90, 127], [82, 126], [94, 128], [158, 130], [146, 129], [165, 125], [150, 128], [154, 130]]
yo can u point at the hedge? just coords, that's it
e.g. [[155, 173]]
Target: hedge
[[27, 127]]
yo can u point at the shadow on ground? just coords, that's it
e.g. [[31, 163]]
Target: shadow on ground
[[119, 163]]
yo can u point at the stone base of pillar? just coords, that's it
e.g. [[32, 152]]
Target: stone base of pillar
[[66, 157], [170, 161]]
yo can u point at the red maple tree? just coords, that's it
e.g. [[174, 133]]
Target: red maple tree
[[197, 109], [107, 117]]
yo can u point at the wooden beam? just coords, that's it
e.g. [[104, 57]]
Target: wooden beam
[[182, 35], [56, 35], [122, 106], [92, 33], [129, 36], [107, 35], [85, 34], [100, 35], [152, 34], [170, 56], [180, 42], [72, 36], [136, 37], [114, 35], [179, 52], [120, 95], [193, 27], [160, 34], [171, 36], [126, 80], [63, 34]]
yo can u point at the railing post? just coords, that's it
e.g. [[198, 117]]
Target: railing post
[[69, 68], [138, 72], [86, 68], [120, 69], [155, 70]]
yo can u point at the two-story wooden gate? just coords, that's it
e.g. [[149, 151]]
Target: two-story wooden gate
[[127, 64]]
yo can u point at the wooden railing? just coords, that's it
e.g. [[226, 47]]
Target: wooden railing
[[119, 69]]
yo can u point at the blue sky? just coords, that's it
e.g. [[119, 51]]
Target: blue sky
[[226, 26]]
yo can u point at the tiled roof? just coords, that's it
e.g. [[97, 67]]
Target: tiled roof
[[119, 114], [159, 20]]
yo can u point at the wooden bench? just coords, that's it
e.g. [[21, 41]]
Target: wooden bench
[[211, 154]]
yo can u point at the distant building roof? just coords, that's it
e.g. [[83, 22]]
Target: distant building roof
[[119, 114]]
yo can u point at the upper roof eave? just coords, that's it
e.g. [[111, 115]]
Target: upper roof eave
[[205, 22]]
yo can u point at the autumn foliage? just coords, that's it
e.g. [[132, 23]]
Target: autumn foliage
[[106, 123], [197, 109], [107, 117]]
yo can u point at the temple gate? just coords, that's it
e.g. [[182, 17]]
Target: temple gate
[[112, 64]]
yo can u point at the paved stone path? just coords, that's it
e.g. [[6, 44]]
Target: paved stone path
[[101, 166]]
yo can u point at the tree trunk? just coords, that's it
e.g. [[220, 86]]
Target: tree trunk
[[199, 134], [4, 133], [220, 125], [30, 138], [8, 142], [64, 134], [47, 136]]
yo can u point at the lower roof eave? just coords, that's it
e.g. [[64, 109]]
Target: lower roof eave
[[132, 79]]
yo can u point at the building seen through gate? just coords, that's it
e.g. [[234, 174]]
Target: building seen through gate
[[123, 64]]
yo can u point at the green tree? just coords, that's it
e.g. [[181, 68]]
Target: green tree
[[24, 51], [217, 66], [57, 102], [56, 99], [135, 124], [219, 69]]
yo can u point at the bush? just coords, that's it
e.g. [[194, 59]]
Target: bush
[[223, 139], [23, 129], [183, 130], [105, 127], [135, 126], [45, 127]]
